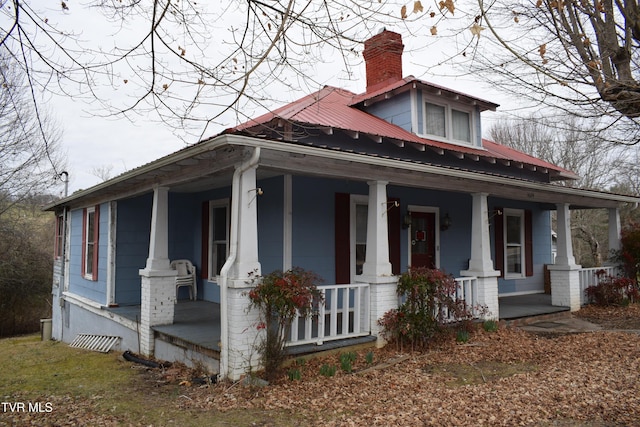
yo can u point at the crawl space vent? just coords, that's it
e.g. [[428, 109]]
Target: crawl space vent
[[101, 343]]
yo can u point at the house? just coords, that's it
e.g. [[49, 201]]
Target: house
[[356, 187]]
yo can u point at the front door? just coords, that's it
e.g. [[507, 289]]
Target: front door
[[423, 239]]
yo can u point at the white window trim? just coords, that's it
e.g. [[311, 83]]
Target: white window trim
[[89, 261], [356, 199], [214, 204], [424, 209], [449, 122], [517, 213]]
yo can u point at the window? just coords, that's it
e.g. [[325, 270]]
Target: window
[[514, 242], [59, 243], [435, 120], [361, 236], [218, 235], [448, 123], [351, 214], [90, 234], [461, 125]]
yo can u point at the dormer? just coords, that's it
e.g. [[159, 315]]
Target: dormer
[[427, 110]]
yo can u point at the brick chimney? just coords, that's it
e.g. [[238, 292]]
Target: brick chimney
[[383, 59]]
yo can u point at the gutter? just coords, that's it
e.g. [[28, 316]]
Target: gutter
[[233, 252]]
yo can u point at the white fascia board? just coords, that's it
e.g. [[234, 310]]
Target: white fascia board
[[424, 168]]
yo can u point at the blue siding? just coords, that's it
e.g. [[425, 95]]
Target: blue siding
[[271, 224], [455, 246], [132, 247], [396, 111], [93, 290], [541, 224], [185, 239], [314, 222]]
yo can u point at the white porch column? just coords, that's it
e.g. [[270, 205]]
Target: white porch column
[[158, 294], [376, 269], [614, 230], [565, 278], [239, 335], [481, 263]]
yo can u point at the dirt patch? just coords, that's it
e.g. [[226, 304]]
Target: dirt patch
[[483, 371]]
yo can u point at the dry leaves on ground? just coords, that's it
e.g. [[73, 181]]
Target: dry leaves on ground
[[509, 377]]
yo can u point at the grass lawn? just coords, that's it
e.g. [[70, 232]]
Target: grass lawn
[[506, 377], [49, 383]]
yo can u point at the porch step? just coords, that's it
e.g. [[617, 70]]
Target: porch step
[[328, 346], [523, 321], [183, 343]]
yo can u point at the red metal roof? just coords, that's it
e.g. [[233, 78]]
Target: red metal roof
[[333, 108]]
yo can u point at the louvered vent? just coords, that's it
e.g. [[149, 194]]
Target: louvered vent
[[101, 343]]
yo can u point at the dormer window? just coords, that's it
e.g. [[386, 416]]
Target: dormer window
[[461, 125], [435, 120], [445, 122]]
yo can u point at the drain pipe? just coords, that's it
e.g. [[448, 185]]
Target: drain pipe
[[233, 252]]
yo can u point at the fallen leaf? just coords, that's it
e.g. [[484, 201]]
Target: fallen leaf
[[417, 7], [403, 12]]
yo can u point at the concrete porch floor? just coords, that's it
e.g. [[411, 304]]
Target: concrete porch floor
[[520, 306], [198, 322], [194, 322]]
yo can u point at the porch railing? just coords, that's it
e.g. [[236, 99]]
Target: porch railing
[[466, 290], [588, 277], [344, 314]]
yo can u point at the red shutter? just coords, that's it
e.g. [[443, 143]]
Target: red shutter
[[498, 224], [204, 259], [83, 266], [96, 239], [394, 226], [342, 241], [528, 243]]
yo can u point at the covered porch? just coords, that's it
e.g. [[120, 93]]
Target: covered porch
[[474, 201]]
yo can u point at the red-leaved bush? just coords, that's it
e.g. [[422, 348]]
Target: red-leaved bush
[[279, 296], [430, 304]]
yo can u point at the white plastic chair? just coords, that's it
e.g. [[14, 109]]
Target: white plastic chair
[[186, 277]]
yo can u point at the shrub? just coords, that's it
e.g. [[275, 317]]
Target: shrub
[[346, 361], [612, 290], [279, 296], [462, 336], [490, 325], [369, 358], [629, 254], [328, 370], [430, 305], [294, 374]]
